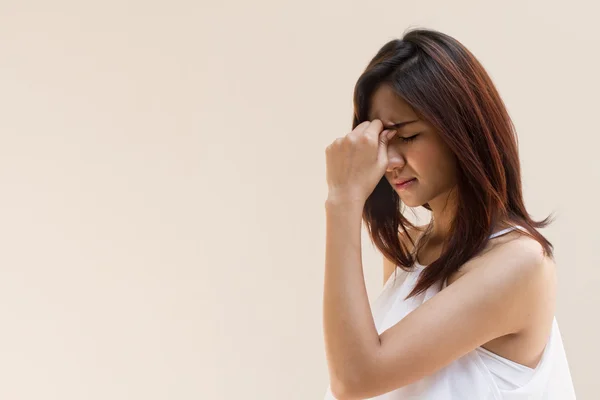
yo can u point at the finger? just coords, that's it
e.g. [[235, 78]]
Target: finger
[[359, 129], [389, 134], [384, 139], [374, 129]]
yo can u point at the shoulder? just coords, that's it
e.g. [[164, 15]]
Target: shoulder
[[512, 254], [517, 268], [525, 262], [518, 254]]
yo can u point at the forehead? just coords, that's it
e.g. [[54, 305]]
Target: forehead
[[388, 107]]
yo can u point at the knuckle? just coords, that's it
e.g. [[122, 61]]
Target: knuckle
[[365, 139]]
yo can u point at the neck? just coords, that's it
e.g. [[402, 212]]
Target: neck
[[443, 209]]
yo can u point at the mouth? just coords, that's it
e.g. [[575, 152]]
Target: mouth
[[403, 184]]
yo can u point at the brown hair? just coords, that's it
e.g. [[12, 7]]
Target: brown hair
[[448, 87]]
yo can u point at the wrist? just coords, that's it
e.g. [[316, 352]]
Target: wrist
[[344, 200]]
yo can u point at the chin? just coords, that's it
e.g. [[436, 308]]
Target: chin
[[414, 201], [411, 203]]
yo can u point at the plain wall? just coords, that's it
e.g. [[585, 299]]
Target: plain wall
[[162, 168]]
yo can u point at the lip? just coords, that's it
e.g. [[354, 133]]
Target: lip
[[402, 181], [403, 184]]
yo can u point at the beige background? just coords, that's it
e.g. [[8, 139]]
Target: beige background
[[163, 178]]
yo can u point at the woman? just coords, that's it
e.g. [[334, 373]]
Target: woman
[[467, 308]]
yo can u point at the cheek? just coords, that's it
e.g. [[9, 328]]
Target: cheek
[[434, 162], [446, 168]]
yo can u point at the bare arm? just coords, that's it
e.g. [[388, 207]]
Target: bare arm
[[492, 300]]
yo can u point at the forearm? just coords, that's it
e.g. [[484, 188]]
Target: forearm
[[351, 337]]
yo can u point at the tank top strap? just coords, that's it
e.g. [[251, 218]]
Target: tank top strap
[[503, 231]]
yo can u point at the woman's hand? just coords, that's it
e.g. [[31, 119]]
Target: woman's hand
[[357, 161]]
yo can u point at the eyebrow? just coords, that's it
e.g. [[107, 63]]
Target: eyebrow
[[400, 124]]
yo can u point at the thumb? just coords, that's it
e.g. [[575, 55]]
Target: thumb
[[384, 138]]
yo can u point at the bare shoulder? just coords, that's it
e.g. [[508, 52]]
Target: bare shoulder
[[518, 262], [528, 262], [524, 254], [513, 253]]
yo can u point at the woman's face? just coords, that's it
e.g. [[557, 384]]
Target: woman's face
[[415, 153]]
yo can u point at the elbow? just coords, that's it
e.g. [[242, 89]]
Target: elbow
[[348, 388], [342, 392]]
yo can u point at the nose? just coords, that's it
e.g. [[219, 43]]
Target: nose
[[396, 159]]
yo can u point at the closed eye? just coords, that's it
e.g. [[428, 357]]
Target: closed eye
[[408, 139]]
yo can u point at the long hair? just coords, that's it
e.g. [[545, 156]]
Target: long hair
[[448, 87]]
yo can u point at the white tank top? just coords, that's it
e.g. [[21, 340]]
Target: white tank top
[[479, 374]]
